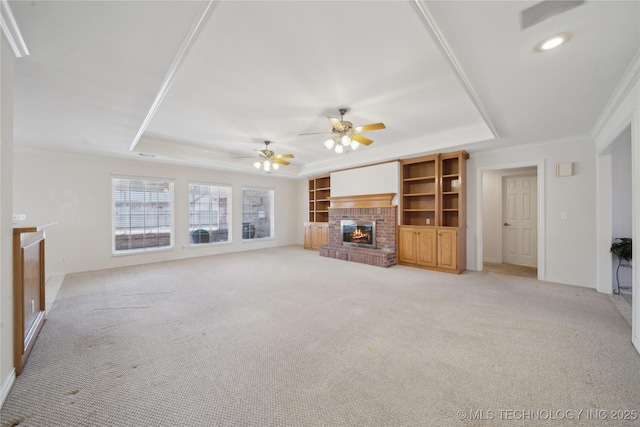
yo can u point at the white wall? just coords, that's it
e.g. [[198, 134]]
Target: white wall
[[375, 179], [621, 191], [491, 206], [568, 245], [75, 192], [7, 61]]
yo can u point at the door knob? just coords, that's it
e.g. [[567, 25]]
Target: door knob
[[506, 224]]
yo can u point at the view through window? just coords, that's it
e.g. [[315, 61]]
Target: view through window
[[257, 213], [142, 214], [209, 213]]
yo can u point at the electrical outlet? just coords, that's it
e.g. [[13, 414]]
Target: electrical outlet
[[428, 221], [19, 217]]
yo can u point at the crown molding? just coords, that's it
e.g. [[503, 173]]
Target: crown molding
[[11, 31], [631, 76], [430, 24]]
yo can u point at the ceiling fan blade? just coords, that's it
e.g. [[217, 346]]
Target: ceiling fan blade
[[279, 161], [367, 128], [337, 125], [285, 156], [315, 133], [361, 139]]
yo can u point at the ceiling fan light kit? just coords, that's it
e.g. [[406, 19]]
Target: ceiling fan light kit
[[344, 135], [266, 165], [269, 160], [338, 144]]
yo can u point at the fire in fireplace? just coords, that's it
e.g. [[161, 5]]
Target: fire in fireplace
[[358, 233]]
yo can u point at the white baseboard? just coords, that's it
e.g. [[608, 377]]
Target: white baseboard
[[490, 260], [567, 282], [6, 386]]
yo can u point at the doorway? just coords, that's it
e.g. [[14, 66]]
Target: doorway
[[510, 221]]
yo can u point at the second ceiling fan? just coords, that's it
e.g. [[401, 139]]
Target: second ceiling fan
[[345, 135], [268, 159]]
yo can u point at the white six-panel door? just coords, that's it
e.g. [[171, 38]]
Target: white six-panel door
[[519, 215]]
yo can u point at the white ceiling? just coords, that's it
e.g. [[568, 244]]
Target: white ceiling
[[206, 83]]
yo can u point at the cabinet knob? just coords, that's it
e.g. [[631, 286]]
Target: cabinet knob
[[506, 224]]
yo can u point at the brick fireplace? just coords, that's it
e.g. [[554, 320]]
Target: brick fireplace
[[370, 207]]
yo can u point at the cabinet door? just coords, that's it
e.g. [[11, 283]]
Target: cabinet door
[[315, 236], [307, 236], [407, 251], [448, 249], [427, 247], [324, 234]]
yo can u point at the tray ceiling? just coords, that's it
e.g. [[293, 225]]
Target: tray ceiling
[[206, 83]]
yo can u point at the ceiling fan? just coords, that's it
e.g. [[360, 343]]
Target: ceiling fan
[[268, 159], [345, 135]]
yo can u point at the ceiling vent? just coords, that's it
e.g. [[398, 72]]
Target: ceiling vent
[[545, 10]]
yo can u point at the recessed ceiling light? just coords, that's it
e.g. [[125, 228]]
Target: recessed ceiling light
[[552, 42]]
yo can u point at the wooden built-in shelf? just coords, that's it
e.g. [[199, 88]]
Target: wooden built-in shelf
[[432, 216], [319, 194], [316, 230]]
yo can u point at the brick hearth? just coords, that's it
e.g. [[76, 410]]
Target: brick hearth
[[386, 219]]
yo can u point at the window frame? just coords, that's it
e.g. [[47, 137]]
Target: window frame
[[172, 228], [229, 188]]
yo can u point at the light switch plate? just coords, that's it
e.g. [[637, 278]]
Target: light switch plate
[[19, 217]]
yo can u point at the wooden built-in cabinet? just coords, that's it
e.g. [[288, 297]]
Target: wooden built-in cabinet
[[430, 247], [417, 245], [316, 234], [316, 230], [449, 250], [28, 290], [432, 230]]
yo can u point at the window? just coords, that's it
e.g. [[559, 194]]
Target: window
[[142, 217], [209, 213], [257, 213]]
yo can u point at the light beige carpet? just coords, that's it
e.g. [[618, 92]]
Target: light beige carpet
[[284, 337]]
